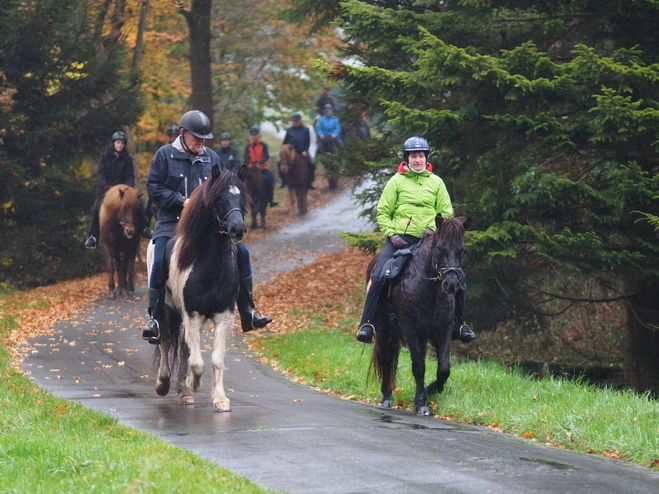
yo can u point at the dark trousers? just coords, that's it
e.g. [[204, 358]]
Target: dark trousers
[[269, 180], [156, 281], [378, 282]]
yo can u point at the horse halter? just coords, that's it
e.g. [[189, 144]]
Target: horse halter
[[224, 224], [441, 272]]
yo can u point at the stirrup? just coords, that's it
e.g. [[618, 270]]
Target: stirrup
[[466, 335], [151, 332], [365, 333]]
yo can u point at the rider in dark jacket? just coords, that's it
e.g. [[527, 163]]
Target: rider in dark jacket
[[228, 154], [115, 167], [298, 136], [176, 170]]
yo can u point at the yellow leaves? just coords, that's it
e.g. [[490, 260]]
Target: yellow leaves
[[527, 435]]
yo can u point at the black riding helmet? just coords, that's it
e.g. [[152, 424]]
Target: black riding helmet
[[225, 136], [197, 123], [415, 143], [174, 130], [119, 136]]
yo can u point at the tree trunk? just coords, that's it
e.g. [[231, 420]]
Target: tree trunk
[[199, 26], [641, 336], [138, 53]]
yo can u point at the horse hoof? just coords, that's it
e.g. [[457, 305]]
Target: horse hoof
[[186, 399], [222, 407], [162, 387], [113, 295], [386, 403], [423, 411]]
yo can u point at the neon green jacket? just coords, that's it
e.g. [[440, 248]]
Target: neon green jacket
[[420, 196]]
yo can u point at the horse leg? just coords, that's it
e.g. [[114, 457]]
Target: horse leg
[[121, 274], [164, 353], [442, 348], [131, 271], [223, 324], [192, 333], [110, 266], [291, 199], [418, 355], [255, 223], [185, 395]]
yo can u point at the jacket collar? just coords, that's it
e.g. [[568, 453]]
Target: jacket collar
[[404, 168], [178, 146]]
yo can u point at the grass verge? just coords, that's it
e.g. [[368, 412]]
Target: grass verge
[[49, 445], [568, 414]]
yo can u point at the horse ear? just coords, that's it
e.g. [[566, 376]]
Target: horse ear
[[121, 193], [242, 172], [140, 193], [215, 172], [467, 222], [438, 222]]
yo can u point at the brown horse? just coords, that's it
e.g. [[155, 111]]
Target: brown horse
[[120, 232], [295, 172]]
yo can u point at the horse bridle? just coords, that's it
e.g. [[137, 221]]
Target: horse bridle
[[441, 272], [224, 227]]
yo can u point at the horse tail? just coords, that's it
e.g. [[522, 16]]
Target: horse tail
[[384, 354]]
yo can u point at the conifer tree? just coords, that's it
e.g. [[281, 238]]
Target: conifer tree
[[545, 121]]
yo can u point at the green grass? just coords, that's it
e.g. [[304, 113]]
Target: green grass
[[48, 445], [569, 414]]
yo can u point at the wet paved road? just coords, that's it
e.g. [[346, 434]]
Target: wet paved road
[[287, 437]]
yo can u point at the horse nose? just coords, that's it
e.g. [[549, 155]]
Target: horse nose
[[450, 284], [237, 232]]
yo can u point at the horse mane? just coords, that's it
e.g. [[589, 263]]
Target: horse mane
[[198, 217], [119, 197]]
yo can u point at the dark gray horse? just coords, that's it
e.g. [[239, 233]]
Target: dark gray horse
[[421, 310]]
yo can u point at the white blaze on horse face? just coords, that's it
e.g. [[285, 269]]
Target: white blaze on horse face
[[234, 190]]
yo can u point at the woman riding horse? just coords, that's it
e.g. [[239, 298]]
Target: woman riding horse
[[176, 170], [409, 204]]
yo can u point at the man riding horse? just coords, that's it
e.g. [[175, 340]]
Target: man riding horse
[[297, 135], [176, 170]]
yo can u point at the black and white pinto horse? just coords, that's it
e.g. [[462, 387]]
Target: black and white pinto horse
[[202, 286]]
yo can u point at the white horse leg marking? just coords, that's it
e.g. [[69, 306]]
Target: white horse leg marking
[[193, 327], [223, 323]]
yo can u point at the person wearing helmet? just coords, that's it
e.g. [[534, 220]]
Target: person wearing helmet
[[228, 154], [407, 208], [298, 136], [257, 154], [328, 130], [325, 98], [114, 167], [173, 132], [176, 170]]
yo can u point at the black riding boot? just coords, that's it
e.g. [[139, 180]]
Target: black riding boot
[[366, 328], [250, 317], [151, 331], [464, 333]]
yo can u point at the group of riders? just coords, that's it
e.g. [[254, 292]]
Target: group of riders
[[411, 200]]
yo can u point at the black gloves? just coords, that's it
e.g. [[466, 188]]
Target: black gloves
[[398, 241]]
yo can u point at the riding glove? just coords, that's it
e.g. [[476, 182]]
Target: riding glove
[[398, 241]]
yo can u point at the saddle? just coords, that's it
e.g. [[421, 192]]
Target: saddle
[[394, 266], [166, 259]]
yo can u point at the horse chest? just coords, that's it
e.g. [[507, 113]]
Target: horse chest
[[205, 290]]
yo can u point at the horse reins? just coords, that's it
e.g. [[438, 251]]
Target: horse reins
[[441, 272]]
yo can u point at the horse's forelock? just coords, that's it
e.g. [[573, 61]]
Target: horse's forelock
[[286, 152], [451, 228]]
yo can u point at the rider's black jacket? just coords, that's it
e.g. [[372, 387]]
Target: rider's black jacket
[[114, 170], [298, 137], [173, 175]]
